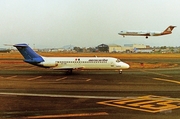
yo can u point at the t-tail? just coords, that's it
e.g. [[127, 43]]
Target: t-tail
[[29, 55], [168, 30]]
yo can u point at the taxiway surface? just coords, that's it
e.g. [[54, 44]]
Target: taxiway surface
[[33, 93]]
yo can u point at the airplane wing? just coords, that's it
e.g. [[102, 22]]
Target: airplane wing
[[67, 68], [144, 33]]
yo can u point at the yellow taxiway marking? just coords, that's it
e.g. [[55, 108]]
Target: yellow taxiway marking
[[167, 80], [11, 77], [149, 103], [156, 73], [61, 79], [68, 115], [34, 78]]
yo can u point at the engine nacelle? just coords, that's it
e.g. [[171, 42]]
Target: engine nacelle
[[48, 64]]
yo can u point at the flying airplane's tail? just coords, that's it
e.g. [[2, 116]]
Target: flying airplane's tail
[[29, 55], [168, 30]]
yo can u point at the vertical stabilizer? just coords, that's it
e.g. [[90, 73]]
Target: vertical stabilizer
[[168, 30], [29, 55]]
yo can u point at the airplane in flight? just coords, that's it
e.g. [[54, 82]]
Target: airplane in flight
[[70, 63], [147, 33]]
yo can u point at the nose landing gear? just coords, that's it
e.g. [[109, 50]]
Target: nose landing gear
[[120, 71]]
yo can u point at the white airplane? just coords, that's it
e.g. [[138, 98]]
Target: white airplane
[[70, 63], [146, 33]]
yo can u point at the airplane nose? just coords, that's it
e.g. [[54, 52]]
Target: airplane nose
[[123, 65], [127, 66]]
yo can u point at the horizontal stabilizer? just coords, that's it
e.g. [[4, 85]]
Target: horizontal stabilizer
[[20, 45]]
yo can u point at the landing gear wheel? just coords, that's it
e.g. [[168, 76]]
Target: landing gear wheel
[[69, 72]]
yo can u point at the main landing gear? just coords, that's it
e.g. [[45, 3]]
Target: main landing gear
[[69, 72]]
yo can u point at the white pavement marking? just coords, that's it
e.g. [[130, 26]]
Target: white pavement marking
[[34, 78], [88, 80], [156, 73], [68, 115], [167, 80], [58, 96], [11, 77], [61, 79]]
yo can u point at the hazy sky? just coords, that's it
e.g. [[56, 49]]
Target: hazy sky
[[55, 23]]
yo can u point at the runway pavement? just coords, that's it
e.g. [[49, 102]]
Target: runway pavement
[[34, 93]]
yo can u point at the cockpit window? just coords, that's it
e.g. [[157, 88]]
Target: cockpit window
[[118, 60]]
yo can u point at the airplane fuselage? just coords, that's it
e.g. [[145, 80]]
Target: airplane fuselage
[[66, 63], [70, 63], [140, 33], [147, 33]]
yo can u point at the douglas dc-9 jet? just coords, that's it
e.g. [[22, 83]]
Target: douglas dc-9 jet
[[147, 33], [70, 63]]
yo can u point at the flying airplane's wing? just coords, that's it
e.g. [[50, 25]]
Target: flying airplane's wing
[[144, 33]]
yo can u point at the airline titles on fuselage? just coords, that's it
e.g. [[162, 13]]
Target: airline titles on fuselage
[[98, 60], [132, 32]]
